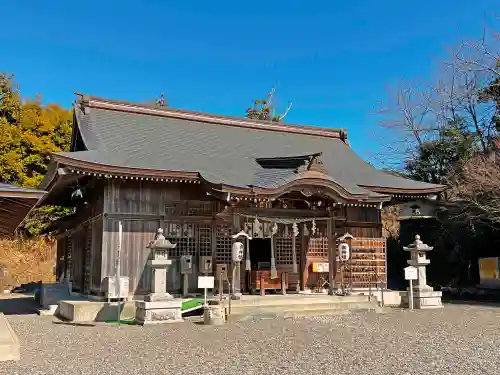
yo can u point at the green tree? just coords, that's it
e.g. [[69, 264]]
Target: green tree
[[29, 133], [436, 161]]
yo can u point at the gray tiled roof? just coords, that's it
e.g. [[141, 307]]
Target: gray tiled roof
[[220, 153], [9, 188]]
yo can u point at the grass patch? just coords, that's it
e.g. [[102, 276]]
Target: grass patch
[[127, 322], [195, 302]]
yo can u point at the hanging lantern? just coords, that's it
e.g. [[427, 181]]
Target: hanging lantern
[[306, 231], [286, 234]]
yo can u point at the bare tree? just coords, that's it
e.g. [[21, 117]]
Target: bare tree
[[264, 109], [483, 55], [479, 186], [408, 116], [417, 113]]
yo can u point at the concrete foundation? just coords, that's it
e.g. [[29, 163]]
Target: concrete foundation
[[280, 305], [297, 305], [9, 343], [392, 298], [94, 311]]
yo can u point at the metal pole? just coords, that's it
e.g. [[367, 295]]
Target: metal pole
[[410, 301], [221, 286], [118, 253], [230, 292]]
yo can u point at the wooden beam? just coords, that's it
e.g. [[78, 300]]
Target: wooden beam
[[362, 224]]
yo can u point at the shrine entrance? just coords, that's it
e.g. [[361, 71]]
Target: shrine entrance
[[260, 254]]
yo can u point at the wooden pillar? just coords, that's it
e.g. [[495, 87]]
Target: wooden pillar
[[213, 244], [331, 257], [304, 262], [236, 266]]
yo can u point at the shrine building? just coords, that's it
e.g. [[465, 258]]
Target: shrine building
[[296, 190]]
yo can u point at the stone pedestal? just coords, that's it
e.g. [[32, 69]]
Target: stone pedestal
[[236, 295], [159, 306], [168, 311], [424, 297], [214, 315]]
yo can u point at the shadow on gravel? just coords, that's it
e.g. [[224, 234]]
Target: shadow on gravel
[[75, 324], [471, 302], [485, 298], [18, 306]]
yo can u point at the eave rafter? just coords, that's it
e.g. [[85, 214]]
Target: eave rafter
[[111, 171], [137, 178]]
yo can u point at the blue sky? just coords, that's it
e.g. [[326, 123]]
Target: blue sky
[[333, 59]]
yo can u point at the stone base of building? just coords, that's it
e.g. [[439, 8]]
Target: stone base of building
[[426, 298], [214, 315], [157, 312], [157, 297]]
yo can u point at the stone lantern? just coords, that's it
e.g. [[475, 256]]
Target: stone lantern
[[424, 296], [159, 306]]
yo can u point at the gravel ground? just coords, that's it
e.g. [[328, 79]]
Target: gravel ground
[[459, 339]]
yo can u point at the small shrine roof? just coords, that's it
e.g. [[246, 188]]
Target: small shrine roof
[[15, 203]]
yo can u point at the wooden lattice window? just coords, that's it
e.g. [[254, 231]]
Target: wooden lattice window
[[184, 235], [284, 250], [205, 240], [224, 243], [318, 247], [190, 208]]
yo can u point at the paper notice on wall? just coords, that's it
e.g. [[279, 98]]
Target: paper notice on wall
[[488, 269], [320, 267]]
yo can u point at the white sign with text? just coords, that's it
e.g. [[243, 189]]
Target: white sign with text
[[411, 273], [206, 282]]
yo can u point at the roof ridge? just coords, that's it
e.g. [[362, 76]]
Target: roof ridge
[[123, 106]]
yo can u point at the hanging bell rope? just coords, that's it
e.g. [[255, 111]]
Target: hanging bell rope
[[274, 271]]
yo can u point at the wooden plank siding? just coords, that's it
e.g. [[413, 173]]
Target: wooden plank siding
[[134, 253], [187, 216], [143, 207]]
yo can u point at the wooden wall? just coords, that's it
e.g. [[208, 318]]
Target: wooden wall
[[82, 243], [143, 207], [362, 222]]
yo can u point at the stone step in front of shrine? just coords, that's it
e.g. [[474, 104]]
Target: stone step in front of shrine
[[9, 342], [301, 305]]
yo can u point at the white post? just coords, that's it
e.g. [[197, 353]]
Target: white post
[[410, 300], [205, 292], [117, 268]]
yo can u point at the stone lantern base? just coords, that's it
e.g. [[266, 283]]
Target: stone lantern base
[[156, 312], [426, 298]]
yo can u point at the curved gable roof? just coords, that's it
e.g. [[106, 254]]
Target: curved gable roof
[[222, 150]]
